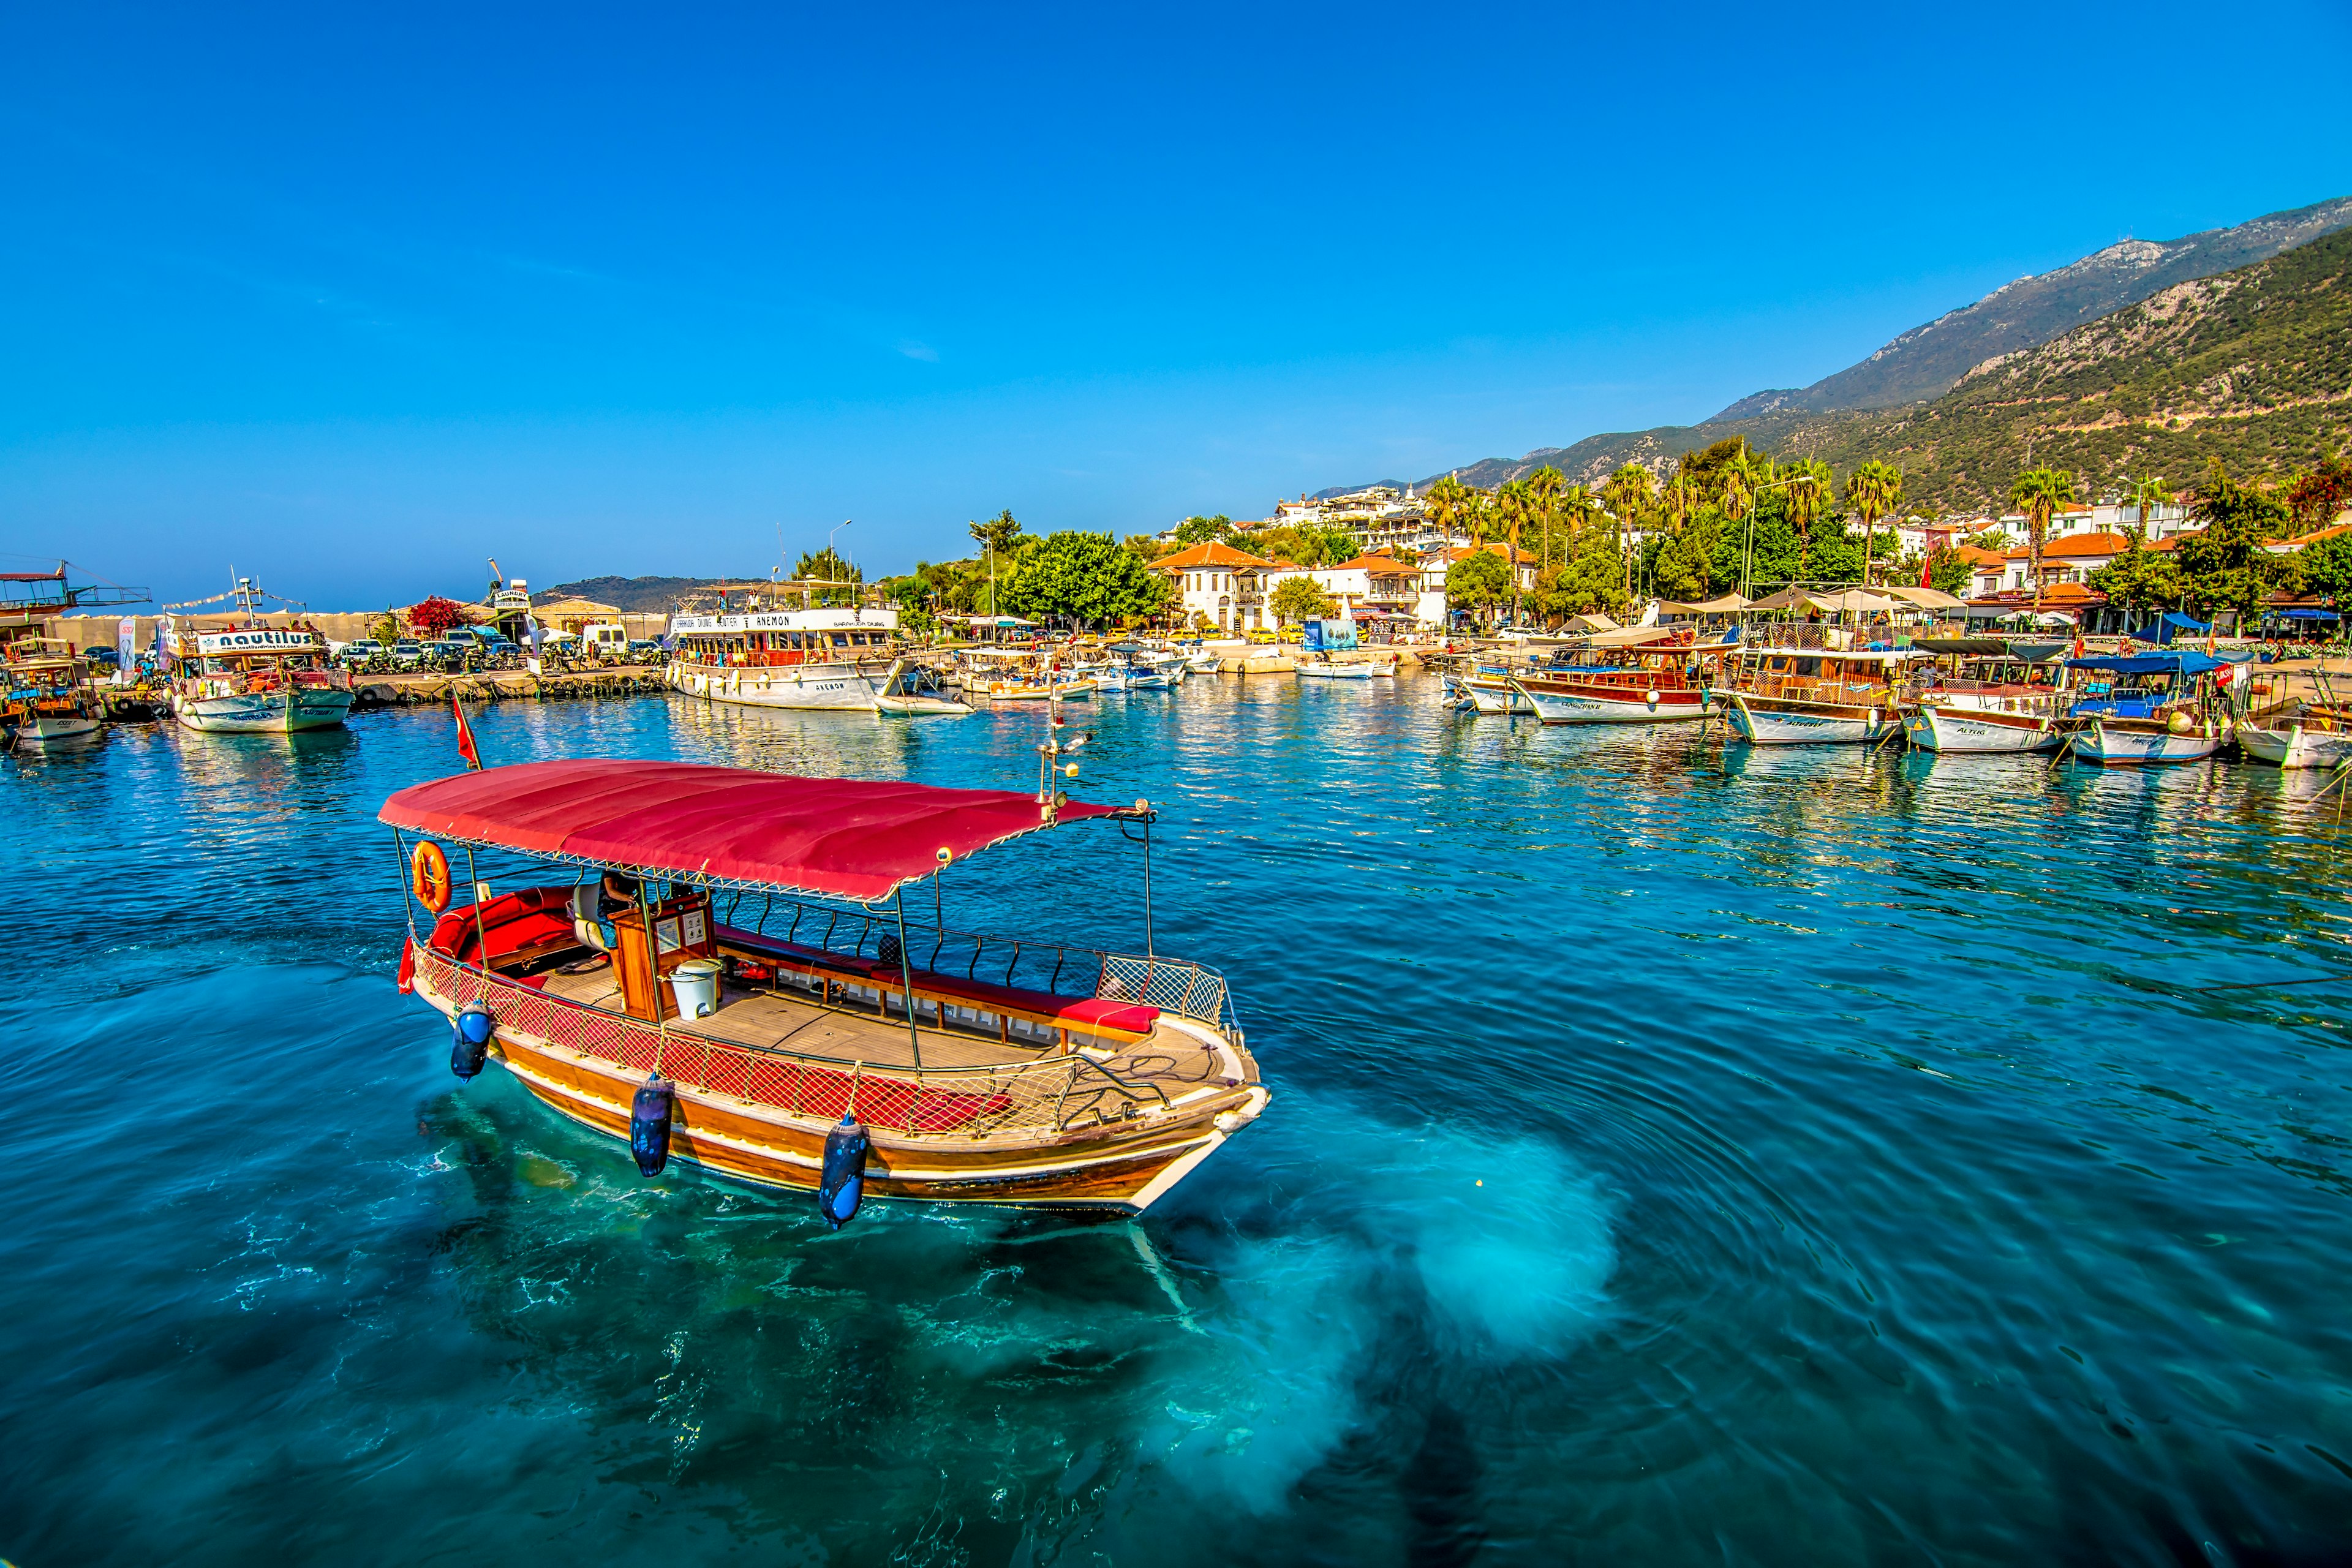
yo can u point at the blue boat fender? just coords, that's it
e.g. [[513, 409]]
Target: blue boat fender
[[843, 1186], [650, 1114], [470, 1038]]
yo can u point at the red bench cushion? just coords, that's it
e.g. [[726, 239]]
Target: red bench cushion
[[1071, 1012]]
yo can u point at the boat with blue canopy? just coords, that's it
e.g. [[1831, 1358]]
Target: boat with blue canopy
[[2165, 706]]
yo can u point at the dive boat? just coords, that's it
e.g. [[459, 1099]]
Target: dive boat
[[250, 678], [910, 691], [1988, 701], [1647, 682], [2161, 707], [48, 697], [1785, 693], [720, 967], [827, 659]]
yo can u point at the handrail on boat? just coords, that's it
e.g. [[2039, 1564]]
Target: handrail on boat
[[1034, 1096]]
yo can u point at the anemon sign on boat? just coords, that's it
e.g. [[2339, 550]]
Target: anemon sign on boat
[[256, 639], [785, 621]]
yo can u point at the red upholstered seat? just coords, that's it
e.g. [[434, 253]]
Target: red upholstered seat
[[535, 917]]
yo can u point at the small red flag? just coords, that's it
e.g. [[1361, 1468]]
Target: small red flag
[[1927, 579], [465, 747]]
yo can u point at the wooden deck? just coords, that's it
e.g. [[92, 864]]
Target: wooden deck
[[787, 1019]]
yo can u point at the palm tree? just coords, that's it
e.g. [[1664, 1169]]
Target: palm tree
[[1445, 503], [2149, 494], [1874, 489], [1545, 485], [1739, 504], [1629, 494], [1808, 484], [2038, 493], [1514, 504]]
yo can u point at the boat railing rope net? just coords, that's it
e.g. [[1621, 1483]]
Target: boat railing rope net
[[1048, 1096]]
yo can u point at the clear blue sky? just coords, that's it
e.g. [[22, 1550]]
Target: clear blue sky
[[355, 299]]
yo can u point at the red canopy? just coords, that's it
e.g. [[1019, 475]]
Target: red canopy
[[851, 838]]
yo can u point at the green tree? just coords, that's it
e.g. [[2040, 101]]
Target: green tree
[[2039, 493], [1591, 579], [1874, 489], [1201, 529], [1515, 509], [2139, 580], [1446, 504], [1087, 578], [2223, 564], [1806, 491], [1300, 599], [1145, 547], [1477, 583], [2327, 569], [1544, 487], [998, 538], [2148, 495], [825, 566], [1948, 570]]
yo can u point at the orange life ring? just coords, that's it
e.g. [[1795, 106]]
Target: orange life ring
[[428, 876]]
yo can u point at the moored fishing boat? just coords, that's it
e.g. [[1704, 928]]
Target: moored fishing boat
[[1634, 676], [827, 659], [1988, 701], [910, 691], [48, 697], [2297, 734], [248, 677], [722, 970], [1324, 667], [1797, 687], [2148, 707]]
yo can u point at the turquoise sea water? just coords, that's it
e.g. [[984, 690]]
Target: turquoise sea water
[[1677, 1155]]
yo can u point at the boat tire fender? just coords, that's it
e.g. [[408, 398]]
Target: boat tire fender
[[428, 876], [650, 1113], [842, 1187], [470, 1038]]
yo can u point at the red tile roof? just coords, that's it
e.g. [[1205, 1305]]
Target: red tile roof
[[1213, 555]]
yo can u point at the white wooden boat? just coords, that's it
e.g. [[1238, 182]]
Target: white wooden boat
[[1647, 683], [825, 659], [2149, 707], [1989, 701], [1785, 693], [2297, 734], [907, 692]]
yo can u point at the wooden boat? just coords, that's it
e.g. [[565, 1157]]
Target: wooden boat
[[1326, 668], [2295, 734], [1651, 681], [1982, 698], [910, 691], [248, 676], [2145, 707], [1797, 688], [48, 697], [1488, 687], [739, 957], [826, 659]]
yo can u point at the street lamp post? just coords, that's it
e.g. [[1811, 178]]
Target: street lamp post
[[829, 553]]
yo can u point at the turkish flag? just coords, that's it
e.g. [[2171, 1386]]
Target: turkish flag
[[1927, 579], [465, 747]]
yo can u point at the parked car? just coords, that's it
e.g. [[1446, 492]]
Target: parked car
[[455, 656], [644, 650], [408, 654], [360, 653]]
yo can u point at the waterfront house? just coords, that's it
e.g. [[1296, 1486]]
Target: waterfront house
[[1224, 587]]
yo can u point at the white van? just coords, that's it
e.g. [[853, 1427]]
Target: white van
[[605, 639]]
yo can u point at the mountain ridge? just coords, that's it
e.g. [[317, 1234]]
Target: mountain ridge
[[1942, 354]]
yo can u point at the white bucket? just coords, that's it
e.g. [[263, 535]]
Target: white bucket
[[694, 984]]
